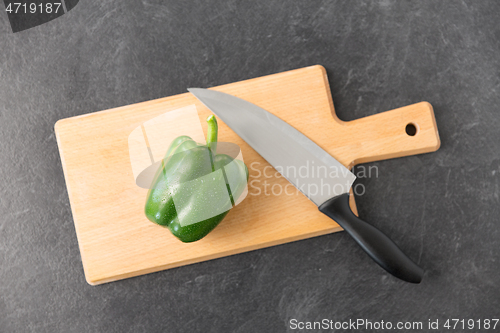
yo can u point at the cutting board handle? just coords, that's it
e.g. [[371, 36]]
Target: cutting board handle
[[400, 132]]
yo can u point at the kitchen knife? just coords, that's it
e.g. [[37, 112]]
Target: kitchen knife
[[319, 176]]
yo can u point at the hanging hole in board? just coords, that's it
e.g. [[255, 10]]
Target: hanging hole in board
[[411, 129]]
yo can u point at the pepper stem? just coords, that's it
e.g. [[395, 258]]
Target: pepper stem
[[212, 133]]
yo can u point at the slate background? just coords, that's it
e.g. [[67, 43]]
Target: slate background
[[442, 208]]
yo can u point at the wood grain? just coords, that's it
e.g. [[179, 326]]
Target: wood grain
[[116, 240]]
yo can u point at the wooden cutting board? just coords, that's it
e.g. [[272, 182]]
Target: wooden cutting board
[[117, 241]]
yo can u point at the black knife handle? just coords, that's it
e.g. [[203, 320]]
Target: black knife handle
[[378, 246]]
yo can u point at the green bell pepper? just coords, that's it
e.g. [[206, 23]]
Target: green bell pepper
[[194, 187]]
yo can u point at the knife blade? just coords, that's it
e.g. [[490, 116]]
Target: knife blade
[[317, 174]]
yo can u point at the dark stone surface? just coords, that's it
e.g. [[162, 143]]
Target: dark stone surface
[[442, 208]]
